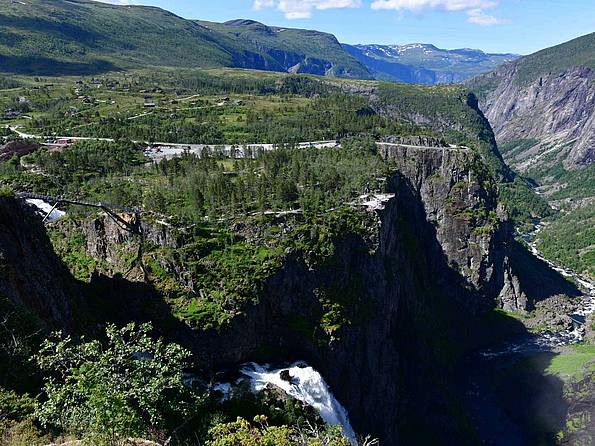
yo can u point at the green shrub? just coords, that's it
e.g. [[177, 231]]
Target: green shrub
[[131, 386], [6, 192], [259, 433], [21, 433]]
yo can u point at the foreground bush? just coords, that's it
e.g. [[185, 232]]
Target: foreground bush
[[131, 386], [259, 433]]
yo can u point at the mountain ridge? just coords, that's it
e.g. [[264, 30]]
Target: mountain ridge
[[555, 84], [425, 63], [82, 37], [290, 49], [85, 37]]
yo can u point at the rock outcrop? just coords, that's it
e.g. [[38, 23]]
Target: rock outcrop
[[556, 112], [529, 280], [31, 274]]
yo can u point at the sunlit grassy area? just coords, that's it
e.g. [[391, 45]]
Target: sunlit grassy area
[[575, 361]]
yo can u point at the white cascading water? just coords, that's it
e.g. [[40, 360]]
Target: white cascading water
[[308, 386], [45, 207]]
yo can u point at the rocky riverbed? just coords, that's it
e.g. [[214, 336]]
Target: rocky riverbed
[[509, 394]]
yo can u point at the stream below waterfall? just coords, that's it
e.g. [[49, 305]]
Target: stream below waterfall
[[547, 340], [483, 398]]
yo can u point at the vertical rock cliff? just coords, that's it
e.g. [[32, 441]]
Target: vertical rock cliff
[[435, 262], [31, 274], [555, 111]]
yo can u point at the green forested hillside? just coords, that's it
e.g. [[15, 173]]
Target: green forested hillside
[[284, 49], [60, 37], [577, 52], [56, 37]]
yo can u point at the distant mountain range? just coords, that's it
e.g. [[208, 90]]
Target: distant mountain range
[[424, 63], [59, 37]]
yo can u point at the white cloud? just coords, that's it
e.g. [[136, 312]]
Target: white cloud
[[479, 17], [475, 9], [302, 9], [419, 5]]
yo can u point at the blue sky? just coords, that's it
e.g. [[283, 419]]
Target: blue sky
[[519, 26]]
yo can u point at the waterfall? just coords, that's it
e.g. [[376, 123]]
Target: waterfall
[[307, 385], [45, 207]]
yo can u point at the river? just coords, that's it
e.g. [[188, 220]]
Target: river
[[548, 340], [502, 405]]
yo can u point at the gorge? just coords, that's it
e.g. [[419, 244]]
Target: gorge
[[404, 272], [294, 253]]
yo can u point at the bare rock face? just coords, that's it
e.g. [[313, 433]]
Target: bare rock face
[[437, 261], [557, 110], [460, 203], [30, 272], [529, 281], [512, 297], [19, 148]]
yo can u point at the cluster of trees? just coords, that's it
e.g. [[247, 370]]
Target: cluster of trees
[[7, 83], [87, 160], [192, 81], [201, 125], [522, 203], [331, 116], [284, 179], [191, 187], [334, 116], [569, 240]]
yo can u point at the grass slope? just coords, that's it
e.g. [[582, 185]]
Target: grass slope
[[60, 37], [577, 52], [299, 50], [556, 59]]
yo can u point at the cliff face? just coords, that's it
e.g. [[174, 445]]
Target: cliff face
[[30, 273], [557, 110], [437, 260], [431, 266]]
